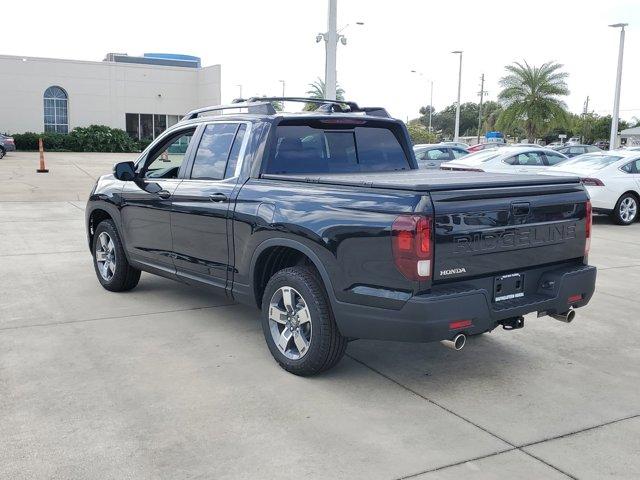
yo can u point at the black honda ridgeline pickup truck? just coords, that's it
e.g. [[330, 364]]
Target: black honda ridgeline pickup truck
[[323, 221]]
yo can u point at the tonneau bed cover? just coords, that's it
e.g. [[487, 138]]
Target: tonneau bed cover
[[425, 180]]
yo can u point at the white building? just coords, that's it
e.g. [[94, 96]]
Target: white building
[[142, 95]]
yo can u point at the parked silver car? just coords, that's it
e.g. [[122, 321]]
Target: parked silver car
[[432, 155]]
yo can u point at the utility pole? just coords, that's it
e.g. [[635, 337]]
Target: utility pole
[[456, 133], [331, 43], [282, 82], [480, 107], [616, 98], [431, 106], [585, 113]]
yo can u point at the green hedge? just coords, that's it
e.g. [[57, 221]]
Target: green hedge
[[94, 138]]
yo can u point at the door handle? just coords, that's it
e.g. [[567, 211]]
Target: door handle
[[163, 194], [218, 197]]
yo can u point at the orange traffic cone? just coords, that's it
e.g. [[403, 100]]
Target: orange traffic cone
[[42, 168]]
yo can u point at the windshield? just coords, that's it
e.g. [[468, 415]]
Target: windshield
[[591, 162], [344, 149]]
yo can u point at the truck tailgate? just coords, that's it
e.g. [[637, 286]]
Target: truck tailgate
[[503, 230]]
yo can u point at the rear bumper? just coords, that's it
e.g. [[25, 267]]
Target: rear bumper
[[426, 318]]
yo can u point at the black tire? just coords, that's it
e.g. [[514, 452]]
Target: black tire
[[326, 344], [2, 152], [124, 277], [618, 215]]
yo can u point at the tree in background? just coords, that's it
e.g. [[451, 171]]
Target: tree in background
[[531, 97], [443, 122], [490, 113], [419, 133], [318, 90]]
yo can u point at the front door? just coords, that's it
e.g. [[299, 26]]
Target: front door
[[146, 202], [201, 203]]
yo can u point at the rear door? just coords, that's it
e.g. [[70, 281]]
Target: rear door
[[200, 207], [486, 231]]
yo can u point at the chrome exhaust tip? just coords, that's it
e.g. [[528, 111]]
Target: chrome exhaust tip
[[457, 343], [566, 317]]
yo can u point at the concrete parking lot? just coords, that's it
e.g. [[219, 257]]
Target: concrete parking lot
[[168, 381]]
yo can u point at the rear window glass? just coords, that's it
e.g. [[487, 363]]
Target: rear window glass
[[591, 161], [304, 149]]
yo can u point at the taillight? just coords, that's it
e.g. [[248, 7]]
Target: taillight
[[587, 228], [412, 242], [592, 182]]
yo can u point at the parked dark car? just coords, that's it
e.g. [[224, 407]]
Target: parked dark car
[[324, 222], [7, 144], [602, 144], [575, 150], [432, 155]]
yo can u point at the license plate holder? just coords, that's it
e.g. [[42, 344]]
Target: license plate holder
[[508, 287]]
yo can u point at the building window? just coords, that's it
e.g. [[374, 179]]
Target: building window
[[146, 126], [56, 118]]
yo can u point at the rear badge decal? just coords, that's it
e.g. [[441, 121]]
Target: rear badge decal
[[452, 271]]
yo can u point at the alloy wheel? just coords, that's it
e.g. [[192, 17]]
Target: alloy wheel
[[290, 323], [628, 209], [106, 256]]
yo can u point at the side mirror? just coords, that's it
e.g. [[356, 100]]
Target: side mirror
[[125, 171]]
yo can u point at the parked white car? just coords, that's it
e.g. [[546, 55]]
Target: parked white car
[[516, 159], [612, 179]]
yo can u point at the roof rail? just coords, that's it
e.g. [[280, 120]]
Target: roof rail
[[259, 107], [263, 106], [328, 106]]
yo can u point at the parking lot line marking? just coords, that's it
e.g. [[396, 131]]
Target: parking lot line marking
[[84, 320], [514, 446]]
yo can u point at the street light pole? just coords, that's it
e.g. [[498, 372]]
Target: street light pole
[[430, 106], [616, 98], [456, 133], [331, 43], [240, 87], [282, 82]]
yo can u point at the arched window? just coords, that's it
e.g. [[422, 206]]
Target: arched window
[[56, 118]]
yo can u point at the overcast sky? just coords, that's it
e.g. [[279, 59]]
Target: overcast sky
[[259, 42]]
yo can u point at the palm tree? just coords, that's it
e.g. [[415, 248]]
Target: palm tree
[[531, 97], [318, 90]]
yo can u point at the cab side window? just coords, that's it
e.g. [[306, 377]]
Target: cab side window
[[457, 153], [631, 167], [438, 154], [211, 157], [526, 159], [165, 160], [554, 158]]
